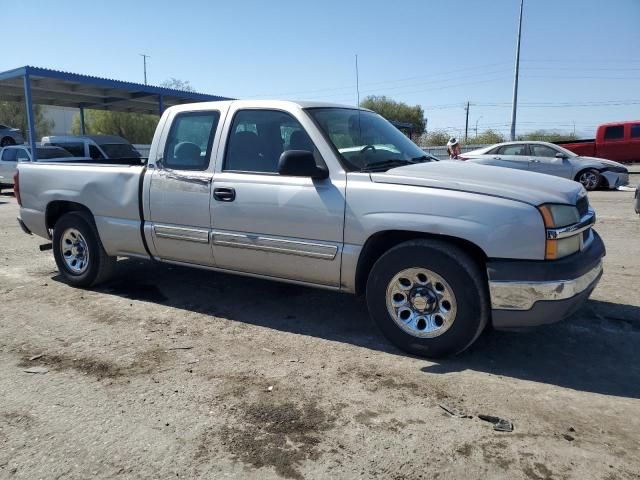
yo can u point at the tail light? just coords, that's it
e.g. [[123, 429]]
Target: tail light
[[16, 187]]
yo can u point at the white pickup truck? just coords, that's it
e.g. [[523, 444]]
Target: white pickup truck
[[331, 197]]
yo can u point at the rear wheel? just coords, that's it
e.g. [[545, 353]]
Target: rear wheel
[[78, 252], [590, 179], [6, 141], [428, 297]]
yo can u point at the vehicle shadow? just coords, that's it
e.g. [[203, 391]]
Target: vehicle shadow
[[594, 351]]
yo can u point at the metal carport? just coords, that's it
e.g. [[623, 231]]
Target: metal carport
[[44, 86]]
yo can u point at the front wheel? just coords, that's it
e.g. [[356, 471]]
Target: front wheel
[[428, 297], [590, 179], [78, 252]]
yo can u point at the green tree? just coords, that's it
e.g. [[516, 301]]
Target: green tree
[[14, 114], [135, 127], [487, 137], [397, 111], [435, 138], [178, 84], [546, 136]]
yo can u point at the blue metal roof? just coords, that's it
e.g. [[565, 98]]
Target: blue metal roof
[[55, 87]]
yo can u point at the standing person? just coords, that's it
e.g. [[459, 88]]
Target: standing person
[[453, 148]]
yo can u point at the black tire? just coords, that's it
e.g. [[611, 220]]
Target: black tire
[[6, 141], [585, 177], [100, 265], [458, 269]]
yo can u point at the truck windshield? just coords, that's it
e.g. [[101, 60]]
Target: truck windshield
[[365, 140]]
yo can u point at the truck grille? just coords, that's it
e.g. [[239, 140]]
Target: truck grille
[[583, 206]]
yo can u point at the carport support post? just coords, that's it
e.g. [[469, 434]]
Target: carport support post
[[82, 129], [29, 108]]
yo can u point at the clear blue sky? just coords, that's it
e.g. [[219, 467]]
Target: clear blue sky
[[583, 55]]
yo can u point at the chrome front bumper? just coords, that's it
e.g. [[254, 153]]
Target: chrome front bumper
[[519, 295]]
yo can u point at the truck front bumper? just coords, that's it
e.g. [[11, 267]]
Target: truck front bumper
[[531, 293]]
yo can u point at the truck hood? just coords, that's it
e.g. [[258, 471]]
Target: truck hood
[[523, 186]]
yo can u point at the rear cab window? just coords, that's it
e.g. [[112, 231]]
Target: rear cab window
[[188, 144], [614, 133]]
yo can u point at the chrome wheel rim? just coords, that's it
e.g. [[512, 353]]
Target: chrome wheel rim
[[75, 251], [421, 302], [589, 179]]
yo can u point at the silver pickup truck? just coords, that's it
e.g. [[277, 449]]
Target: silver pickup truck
[[331, 197]]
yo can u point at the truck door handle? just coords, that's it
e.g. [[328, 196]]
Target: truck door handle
[[497, 158], [224, 194], [533, 160]]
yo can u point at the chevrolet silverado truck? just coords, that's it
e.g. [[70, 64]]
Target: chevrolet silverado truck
[[331, 197]]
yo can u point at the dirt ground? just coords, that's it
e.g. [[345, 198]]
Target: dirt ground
[[175, 373]]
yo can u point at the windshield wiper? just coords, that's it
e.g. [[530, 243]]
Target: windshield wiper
[[386, 165], [422, 158]]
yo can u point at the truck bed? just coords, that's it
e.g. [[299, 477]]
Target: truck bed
[[112, 192]]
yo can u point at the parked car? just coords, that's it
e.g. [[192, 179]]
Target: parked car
[[290, 191], [544, 157], [10, 136], [618, 141], [10, 156], [94, 146]]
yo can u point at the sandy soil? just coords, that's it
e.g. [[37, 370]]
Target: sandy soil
[[175, 373]]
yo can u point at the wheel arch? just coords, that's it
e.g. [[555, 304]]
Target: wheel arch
[[58, 208], [380, 242]]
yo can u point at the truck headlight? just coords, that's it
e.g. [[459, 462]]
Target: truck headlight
[[557, 216]]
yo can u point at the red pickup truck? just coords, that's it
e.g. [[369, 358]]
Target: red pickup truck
[[618, 141]]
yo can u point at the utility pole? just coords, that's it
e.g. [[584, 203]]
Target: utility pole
[[466, 124], [514, 106], [144, 59], [357, 83], [477, 120]]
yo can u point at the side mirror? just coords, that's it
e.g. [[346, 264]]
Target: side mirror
[[561, 155], [300, 163]]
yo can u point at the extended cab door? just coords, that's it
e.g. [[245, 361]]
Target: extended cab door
[[180, 187], [611, 143], [268, 224]]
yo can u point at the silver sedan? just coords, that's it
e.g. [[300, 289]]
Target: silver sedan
[[544, 157]]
